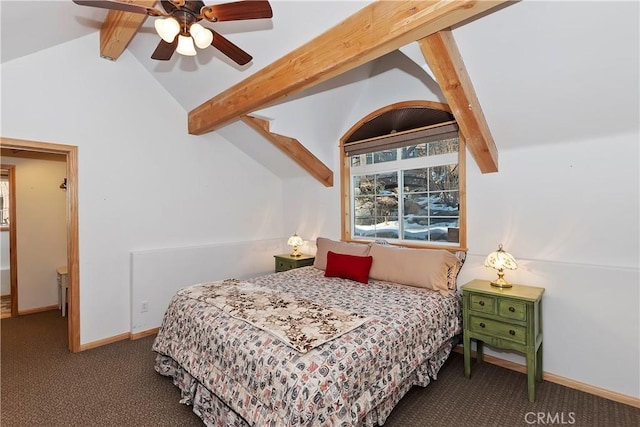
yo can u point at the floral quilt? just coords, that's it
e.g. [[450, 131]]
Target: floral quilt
[[298, 322], [235, 373]]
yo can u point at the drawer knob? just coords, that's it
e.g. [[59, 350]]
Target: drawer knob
[[512, 332], [481, 303], [482, 325], [511, 309]]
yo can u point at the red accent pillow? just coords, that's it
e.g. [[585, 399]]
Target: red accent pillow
[[348, 266]]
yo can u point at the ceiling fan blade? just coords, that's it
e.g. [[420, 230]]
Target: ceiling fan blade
[[124, 7], [165, 50], [236, 54], [237, 11]]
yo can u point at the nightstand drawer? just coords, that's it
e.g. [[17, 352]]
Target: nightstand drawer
[[284, 265], [511, 309], [287, 262], [483, 304], [497, 329]]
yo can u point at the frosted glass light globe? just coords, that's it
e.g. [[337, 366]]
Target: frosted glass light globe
[[202, 36], [185, 46], [167, 28]]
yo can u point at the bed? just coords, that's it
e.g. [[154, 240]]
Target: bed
[[307, 347]]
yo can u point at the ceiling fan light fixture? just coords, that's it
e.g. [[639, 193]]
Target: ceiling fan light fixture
[[167, 28], [201, 36], [173, 24], [185, 46]]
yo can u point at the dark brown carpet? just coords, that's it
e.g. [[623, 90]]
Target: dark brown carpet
[[42, 384]]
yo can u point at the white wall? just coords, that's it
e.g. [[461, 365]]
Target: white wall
[[40, 228], [5, 278], [569, 214], [4, 250], [144, 183]]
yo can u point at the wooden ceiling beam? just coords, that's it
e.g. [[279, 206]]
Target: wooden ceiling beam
[[443, 57], [375, 30], [119, 28], [294, 149]]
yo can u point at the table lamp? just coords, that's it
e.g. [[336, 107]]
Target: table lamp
[[500, 260], [295, 241]]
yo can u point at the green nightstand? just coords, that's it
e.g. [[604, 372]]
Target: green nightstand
[[509, 318], [286, 262]]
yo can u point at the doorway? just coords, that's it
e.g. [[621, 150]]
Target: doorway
[[71, 153], [8, 230]]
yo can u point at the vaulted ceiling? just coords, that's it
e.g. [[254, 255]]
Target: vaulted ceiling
[[517, 74]]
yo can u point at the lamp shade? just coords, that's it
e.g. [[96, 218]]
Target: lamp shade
[[167, 28], [295, 240], [185, 46], [501, 260], [201, 36]]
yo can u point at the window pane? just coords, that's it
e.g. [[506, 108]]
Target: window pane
[[367, 227], [415, 227], [443, 147], [386, 207], [385, 156], [416, 205], [364, 207], [364, 184], [413, 151], [444, 203], [387, 183], [444, 230], [443, 177], [430, 149], [376, 205], [432, 230], [381, 183], [416, 180], [387, 229]]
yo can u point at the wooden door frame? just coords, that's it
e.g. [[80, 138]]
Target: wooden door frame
[[71, 153]]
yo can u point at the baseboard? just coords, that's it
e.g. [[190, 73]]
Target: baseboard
[[143, 334], [37, 310], [557, 379], [100, 343], [125, 336]]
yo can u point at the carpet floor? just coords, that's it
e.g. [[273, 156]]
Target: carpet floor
[[42, 384]]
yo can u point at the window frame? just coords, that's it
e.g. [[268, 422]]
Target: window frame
[[347, 200]]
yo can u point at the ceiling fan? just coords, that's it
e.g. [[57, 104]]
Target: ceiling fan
[[179, 29]]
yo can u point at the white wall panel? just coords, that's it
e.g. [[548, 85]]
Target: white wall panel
[[157, 274]]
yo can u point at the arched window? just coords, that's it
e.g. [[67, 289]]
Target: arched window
[[402, 172]]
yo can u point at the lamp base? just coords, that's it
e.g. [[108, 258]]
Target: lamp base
[[501, 283], [295, 253]]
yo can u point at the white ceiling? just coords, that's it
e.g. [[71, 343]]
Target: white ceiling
[[544, 71]]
